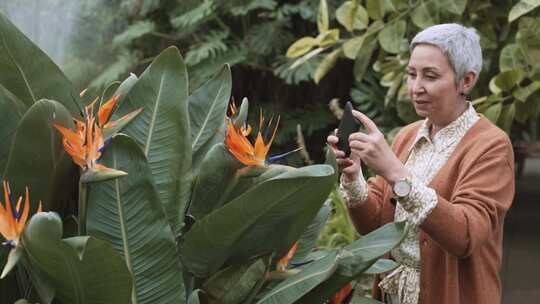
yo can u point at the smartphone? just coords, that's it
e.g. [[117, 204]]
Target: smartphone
[[348, 125]]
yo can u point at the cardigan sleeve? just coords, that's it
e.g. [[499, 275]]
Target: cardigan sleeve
[[366, 216], [480, 199]]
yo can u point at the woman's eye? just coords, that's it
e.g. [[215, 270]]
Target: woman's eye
[[431, 77]]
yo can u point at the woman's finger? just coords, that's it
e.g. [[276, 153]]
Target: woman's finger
[[366, 121]]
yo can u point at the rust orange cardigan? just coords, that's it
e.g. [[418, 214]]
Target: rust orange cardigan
[[461, 240]]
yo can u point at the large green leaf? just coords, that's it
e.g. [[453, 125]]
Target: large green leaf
[[529, 40], [426, 14], [37, 159], [267, 218], [511, 58], [522, 8], [29, 73], [456, 7], [309, 237], [352, 16], [11, 112], [162, 129], [292, 289], [391, 36], [377, 9], [207, 108], [81, 269], [217, 177], [324, 277], [234, 283], [127, 213]]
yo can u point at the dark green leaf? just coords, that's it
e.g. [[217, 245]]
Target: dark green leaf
[[37, 159], [11, 112], [207, 108], [218, 172], [308, 239], [356, 258], [268, 218], [163, 131], [29, 73], [234, 283], [81, 269], [127, 213]]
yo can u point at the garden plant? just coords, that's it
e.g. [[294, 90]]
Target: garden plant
[[150, 192]]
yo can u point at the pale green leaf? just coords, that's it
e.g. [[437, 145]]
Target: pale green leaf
[[529, 40], [301, 46], [377, 9], [363, 58], [351, 16], [506, 118], [521, 8], [511, 58], [306, 57], [522, 93], [352, 46], [326, 65], [322, 17], [328, 38], [508, 79], [391, 36], [423, 15], [493, 112], [456, 7]]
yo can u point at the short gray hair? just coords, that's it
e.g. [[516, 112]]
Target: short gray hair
[[460, 44]]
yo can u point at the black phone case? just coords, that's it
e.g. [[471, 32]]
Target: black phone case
[[348, 125]]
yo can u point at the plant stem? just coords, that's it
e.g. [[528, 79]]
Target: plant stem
[[82, 207]]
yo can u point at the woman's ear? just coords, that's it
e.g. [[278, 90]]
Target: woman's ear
[[468, 82]]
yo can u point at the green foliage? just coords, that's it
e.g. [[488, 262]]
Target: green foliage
[[41, 170], [82, 269], [163, 130], [127, 212], [144, 244], [517, 49]]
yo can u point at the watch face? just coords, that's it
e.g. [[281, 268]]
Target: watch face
[[402, 188]]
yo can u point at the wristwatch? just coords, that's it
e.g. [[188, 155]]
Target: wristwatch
[[402, 187]]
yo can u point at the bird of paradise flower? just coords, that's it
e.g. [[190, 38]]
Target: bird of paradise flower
[[13, 219], [243, 150], [86, 143]]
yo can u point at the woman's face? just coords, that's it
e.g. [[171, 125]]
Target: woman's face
[[431, 85]]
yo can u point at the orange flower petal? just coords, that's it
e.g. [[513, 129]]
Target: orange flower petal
[[284, 261], [24, 216], [105, 110]]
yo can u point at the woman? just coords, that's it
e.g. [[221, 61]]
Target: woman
[[451, 176]]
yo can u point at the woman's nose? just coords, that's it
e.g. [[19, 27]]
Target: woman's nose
[[417, 87]]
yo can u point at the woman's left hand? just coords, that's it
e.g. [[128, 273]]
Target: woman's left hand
[[375, 152]]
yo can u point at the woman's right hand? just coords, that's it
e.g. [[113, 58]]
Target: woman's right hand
[[349, 166]]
